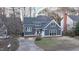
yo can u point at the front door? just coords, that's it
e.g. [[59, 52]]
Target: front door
[[38, 32]]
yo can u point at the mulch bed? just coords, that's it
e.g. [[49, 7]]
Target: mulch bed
[[4, 42]]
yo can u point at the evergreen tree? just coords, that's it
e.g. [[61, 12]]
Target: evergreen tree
[[77, 29]]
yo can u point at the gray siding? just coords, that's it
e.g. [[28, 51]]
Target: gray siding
[[46, 32], [54, 27], [29, 33], [59, 32]]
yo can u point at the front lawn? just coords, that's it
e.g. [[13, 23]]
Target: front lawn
[[54, 44]]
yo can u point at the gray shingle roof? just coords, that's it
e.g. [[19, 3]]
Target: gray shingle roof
[[37, 22], [74, 17]]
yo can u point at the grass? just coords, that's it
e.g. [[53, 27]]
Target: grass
[[47, 43], [53, 44]]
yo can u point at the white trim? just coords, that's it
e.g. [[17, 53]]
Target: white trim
[[28, 29], [50, 31], [57, 23], [44, 35], [29, 35], [51, 36], [48, 23], [51, 22]]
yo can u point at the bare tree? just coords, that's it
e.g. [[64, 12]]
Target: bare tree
[[13, 23], [51, 14]]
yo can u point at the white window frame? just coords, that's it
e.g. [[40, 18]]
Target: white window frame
[[29, 29], [51, 31]]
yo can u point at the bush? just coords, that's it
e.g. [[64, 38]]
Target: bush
[[77, 29], [69, 33], [38, 38]]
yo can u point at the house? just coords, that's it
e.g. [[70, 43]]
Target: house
[[41, 25], [69, 22]]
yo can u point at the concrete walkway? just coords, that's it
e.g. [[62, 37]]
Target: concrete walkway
[[27, 44]]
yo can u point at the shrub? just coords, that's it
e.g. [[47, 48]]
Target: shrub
[[77, 29], [69, 33], [38, 38]]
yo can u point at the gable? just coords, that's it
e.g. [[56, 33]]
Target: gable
[[53, 24]]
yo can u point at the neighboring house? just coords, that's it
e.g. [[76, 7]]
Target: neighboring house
[[41, 25], [70, 23]]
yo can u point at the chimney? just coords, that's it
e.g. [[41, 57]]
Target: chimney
[[65, 21]]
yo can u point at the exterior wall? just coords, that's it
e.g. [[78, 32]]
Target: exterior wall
[[53, 27], [58, 32], [69, 23], [28, 33], [46, 32]]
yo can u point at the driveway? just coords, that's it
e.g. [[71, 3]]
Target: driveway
[[27, 44]]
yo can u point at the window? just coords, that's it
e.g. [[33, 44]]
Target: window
[[29, 29], [52, 32]]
